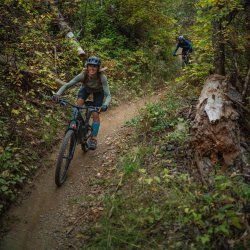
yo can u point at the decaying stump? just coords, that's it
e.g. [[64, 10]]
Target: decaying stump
[[215, 135]]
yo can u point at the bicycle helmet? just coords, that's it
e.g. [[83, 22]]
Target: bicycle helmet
[[93, 60], [181, 38]]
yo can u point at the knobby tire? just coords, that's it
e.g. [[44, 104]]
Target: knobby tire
[[65, 156]]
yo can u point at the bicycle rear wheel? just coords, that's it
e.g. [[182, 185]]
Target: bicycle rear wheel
[[184, 62], [65, 156]]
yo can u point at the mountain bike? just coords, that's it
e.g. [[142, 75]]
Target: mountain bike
[[78, 131], [185, 59]]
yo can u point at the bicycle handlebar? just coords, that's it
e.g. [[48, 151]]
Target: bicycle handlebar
[[91, 108]]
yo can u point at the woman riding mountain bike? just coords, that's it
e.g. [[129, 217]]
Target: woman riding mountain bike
[[93, 82]]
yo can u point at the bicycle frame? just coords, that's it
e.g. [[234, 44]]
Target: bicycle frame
[[77, 132], [78, 124], [184, 58]]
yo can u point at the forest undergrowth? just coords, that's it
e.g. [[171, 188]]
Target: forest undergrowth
[[34, 53], [159, 200]]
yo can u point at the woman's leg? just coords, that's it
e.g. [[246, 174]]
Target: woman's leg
[[95, 124], [98, 100], [82, 96]]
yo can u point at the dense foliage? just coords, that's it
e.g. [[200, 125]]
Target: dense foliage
[[161, 204], [132, 38], [159, 200], [233, 38]]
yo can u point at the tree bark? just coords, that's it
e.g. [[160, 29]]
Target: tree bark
[[215, 135], [246, 85], [247, 13], [218, 42]]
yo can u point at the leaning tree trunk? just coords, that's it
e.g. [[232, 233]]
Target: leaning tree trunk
[[63, 25], [215, 135]]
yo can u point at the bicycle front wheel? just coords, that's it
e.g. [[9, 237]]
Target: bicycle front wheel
[[65, 156]]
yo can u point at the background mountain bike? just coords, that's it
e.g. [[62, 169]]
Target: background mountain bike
[[185, 59], [78, 131]]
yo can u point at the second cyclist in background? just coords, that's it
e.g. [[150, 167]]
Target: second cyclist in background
[[186, 46]]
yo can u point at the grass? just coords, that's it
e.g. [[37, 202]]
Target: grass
[[160, 202]]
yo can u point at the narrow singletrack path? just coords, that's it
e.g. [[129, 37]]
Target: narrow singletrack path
[[38, 221]]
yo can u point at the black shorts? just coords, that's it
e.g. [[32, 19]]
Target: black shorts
[[97, 96], [184, 51]]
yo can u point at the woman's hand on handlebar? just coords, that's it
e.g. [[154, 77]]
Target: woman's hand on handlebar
[[103, 108], [56, 98]]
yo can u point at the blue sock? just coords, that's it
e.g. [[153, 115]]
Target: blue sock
[[95, 127]]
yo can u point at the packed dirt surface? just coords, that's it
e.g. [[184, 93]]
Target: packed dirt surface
[[48, 217]]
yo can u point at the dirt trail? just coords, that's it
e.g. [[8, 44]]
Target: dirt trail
[[39, 221]]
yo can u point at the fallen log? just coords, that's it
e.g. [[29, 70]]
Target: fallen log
[[215, 134], [66, 29]]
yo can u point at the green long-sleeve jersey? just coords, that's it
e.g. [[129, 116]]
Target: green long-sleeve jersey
[[92, 85]]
